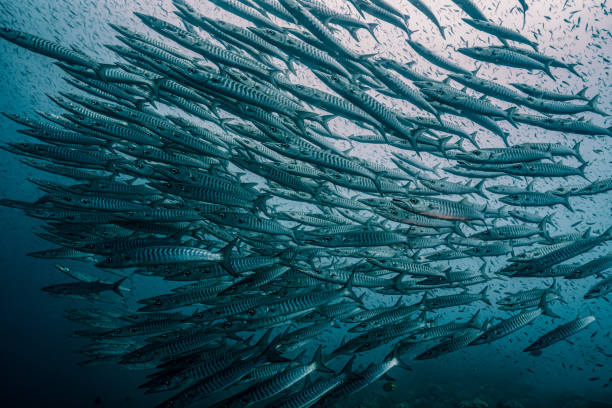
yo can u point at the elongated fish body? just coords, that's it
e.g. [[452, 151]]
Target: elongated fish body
[[316, 27], [364, 378], [470, 9], [525, 296], [503, 56], [594, 267], [489, 88], [550, 95], [376, 109], [205, 48], [596, 187], [560, 333], [303, 50], [383, 13], [406, 266], [463, 298], [271, 387], [422, 7], [210, 384], [542, 169], [461, 100], [557, 271], [555, 149], [174, 301], [327, 15], [506, 327], [158, 256], [456, 342], [310, 395], [238, 35], [535, 199], [436, 59], [399, 87], [439, 332], [83, 289], [327, 101], [246, 12], [545, 59], [580, 127], [566, 251], [500, 31], [47, 48], [449, 187], [561, 107], [360, 238], [440, 208], [249, 222], [386, 317]]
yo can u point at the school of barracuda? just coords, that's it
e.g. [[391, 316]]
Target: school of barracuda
[[198, 158]]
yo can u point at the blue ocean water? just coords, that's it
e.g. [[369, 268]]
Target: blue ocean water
[[38, 352]]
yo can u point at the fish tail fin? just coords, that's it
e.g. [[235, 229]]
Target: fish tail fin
[[260, 202], [155, 84], [572, 68], [116, 285], [577, 154], [582, 93], [457, 229], [480, 189], [593, 104], [544, 226], [397, 282], [473, 322], [567, 204], [581, 168], [353, 32], [483, 295], [441, 29], [348, 367], [548, 72], [347, 289], [227, 255], [546, 309], [608, 233], [510, 116], [371, 28], [475, 71], [318, 359]]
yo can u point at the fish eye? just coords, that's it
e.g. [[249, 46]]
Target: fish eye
[[251, 312], [174, 170], [477, 153], [414, 201]]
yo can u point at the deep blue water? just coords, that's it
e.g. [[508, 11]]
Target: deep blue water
[[38, 352]]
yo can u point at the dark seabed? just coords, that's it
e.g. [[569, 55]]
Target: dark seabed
[[40, 353]]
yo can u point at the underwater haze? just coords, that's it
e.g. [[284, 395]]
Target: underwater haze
[[357, 203]]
